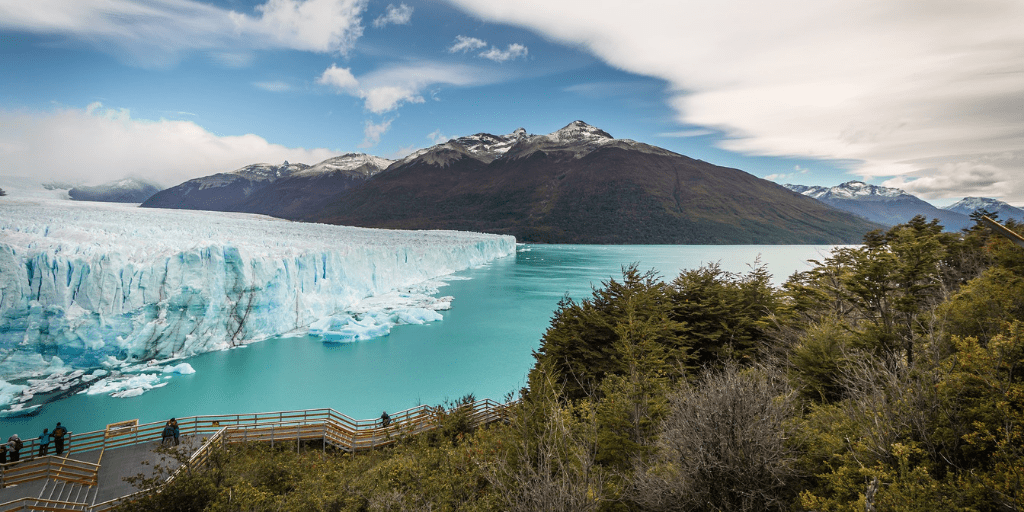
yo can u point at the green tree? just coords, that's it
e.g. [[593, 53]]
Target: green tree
[[724, 315], [585, 343]]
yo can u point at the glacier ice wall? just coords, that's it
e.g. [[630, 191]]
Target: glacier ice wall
[[88, 284]]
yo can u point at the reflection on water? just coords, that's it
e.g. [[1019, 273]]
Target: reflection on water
[[483, 346]]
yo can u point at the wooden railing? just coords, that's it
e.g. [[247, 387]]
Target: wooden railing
[[51, 466], [325, 425]]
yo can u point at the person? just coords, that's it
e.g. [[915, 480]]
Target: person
[[3, 453], [176, 431], [14, 445], [385, 420], [58, 437], [167, 434], [44, 442]]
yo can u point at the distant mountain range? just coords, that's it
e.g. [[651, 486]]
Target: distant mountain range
[[581, 185], [128, 190], [286, 190], [891, 206], [576, 185]]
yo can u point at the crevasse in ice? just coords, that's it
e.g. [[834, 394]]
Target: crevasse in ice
[[93, 284]]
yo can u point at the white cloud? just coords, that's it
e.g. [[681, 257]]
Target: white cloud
[[274, 86], [514, 51], [901, 86], [437, 137], [97, 144], [338, 78], [389, 97], [372, 132], [465, 43], [387, 89], [155, 33], [400, 15]]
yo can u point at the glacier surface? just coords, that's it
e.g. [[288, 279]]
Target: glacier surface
[[91, 285]]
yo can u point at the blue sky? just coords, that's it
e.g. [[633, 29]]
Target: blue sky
[[904, 93]]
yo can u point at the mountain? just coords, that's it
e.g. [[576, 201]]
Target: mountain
[[128, 190], [888, 206], [305, 190], [969, 205], [281, 190], [224, 191], [581, 185]]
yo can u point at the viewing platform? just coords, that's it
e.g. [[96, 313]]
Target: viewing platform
[[90, 475]]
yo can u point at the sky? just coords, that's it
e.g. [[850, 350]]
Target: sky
[[923, 95]]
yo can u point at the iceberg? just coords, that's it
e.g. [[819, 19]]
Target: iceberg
[[103, 285]]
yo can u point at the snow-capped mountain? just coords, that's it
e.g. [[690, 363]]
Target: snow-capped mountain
[[581, 185], [969, 205], [128, 190], [889, 206], [575, 140], [352, 163], [271, 189]]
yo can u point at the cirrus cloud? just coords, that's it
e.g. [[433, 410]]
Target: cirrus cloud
[[904, 88]]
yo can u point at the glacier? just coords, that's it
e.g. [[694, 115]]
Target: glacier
[[103, 285]]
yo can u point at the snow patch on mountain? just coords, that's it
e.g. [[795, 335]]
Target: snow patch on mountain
[[849, 190], [969, 205], [362, 163]]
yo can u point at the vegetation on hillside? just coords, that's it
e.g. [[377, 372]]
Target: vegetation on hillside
[[890, 376]]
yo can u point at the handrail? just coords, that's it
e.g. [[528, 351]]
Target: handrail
[[329, 425], [1003, 230], [47, 505]]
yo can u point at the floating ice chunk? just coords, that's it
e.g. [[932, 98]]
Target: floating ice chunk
[[18, 410], [8, 392], [345, 328], [94, 375], [417, 316], [181, 369], [125, 387]]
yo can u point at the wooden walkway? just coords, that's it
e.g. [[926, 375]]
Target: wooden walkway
[[90, 474]]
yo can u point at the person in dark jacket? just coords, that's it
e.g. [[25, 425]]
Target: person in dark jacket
[[44, 442], [3, 453], [14, 445], [167, 435], [58, 438], [175, 431], [385, 420]]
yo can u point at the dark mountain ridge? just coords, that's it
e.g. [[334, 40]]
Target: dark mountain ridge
[[580, 185]]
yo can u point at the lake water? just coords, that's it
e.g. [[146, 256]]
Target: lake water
[[483, 346]]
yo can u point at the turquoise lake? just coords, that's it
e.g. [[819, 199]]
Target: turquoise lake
[[482, 346]]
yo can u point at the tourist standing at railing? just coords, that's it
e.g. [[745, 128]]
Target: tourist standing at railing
[[167, 434], [58, 438], [14, 445], [385, 420], [44, 442], [176, 431]]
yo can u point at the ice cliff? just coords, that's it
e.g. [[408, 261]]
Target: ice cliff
[[87, 285]]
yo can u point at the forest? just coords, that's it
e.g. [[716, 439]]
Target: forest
[[888, 377]]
